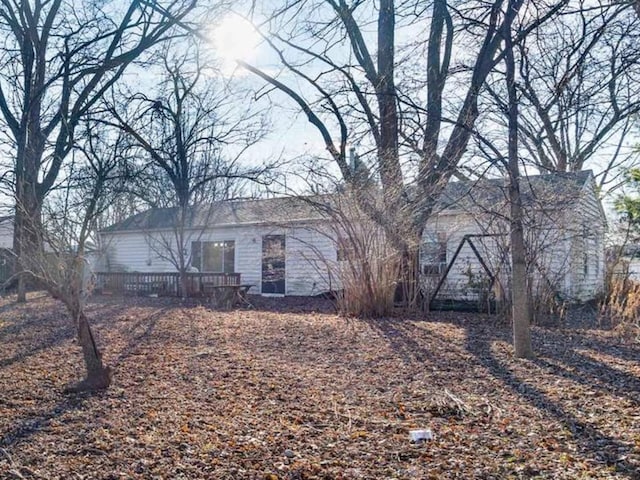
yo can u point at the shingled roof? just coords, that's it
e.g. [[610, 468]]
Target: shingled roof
[[552, 190], [555, 189], [229, 213]]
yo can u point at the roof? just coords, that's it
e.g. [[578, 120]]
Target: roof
[[224, 213], [559, 189], [553, 190]]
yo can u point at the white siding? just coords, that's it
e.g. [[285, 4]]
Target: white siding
[[587, 246], [558, 242], [467, 270], [311, 256], [307, 252], [6, 234], [132, 252]]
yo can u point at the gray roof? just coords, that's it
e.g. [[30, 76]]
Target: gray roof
[[559, 189], [237, 212], [551, 190]]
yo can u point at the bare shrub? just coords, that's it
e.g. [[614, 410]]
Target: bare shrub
[[365, 270], [546, 304], [621, 307], [368, 273]]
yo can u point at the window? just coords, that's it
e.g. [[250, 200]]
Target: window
[[586, 235], [596, 255], [214, 256], [434, 254]]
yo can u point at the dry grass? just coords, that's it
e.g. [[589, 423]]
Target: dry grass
[[621, 308], [292, 391], [368, 282]]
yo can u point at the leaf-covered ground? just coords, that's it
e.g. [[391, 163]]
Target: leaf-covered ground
[[288, 390]]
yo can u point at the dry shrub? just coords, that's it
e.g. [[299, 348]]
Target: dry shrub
[[368, 272], [367, 266], [547, 306], [621, 307]]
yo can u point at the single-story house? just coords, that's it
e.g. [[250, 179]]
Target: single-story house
[[275, 244], [285, 246]]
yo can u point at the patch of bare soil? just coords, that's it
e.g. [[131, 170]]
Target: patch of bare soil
[[288, 390]]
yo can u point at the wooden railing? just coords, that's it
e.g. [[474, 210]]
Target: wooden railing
[[161, 283]]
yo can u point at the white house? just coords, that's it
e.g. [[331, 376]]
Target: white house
[[627, 261], [285, 246], [6, 244], [279, 245], [6, 232]]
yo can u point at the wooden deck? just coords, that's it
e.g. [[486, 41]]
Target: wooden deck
[[162, 283]]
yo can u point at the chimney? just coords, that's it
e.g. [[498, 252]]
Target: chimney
[[352, 159]]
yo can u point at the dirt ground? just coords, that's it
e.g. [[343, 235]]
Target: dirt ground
[[289, 390]]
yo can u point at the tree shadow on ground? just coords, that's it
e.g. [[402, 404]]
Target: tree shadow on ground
[[139, 332], [290, 304], [401, 337], [591, 443], [557, 357], [32, 424], [40, 329], [581, 369], [34, 334]]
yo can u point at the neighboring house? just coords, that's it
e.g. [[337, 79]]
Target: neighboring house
[[286, 246], [6, 245], [627, 261]]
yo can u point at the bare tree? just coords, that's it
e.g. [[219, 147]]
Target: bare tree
[[192, 135], [579, 85], [56, 61], [355, 93], [92, 178], [519, 287]]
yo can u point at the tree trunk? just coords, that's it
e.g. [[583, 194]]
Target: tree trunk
[[18, 233], [408, 288], [519, 289], [185, 284], [27, 240], [98, 375], [22, 287]]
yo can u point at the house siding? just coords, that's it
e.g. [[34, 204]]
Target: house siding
[[6, 234], [560, 242], [311, 257], [466, 272], [555, 232], [587, 247], [309, 252]]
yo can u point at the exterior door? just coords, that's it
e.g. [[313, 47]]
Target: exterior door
[[273, 264]]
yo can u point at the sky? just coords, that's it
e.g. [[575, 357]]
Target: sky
[[291, 135]]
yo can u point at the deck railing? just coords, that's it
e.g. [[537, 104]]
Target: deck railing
[[161, 283]]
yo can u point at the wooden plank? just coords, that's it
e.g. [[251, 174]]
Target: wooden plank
[[165, 283]]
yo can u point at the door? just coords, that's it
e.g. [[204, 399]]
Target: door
[[273, 264]]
